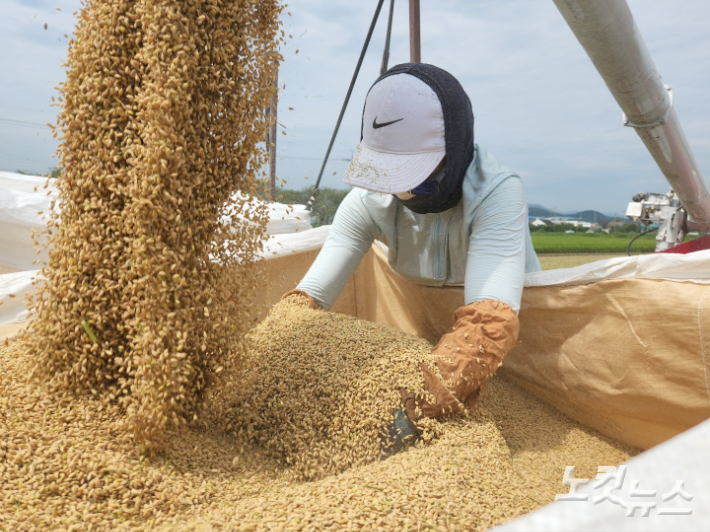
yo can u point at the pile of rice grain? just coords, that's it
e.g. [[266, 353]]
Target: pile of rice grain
[[318, 390], [146, 296], [68, 463]]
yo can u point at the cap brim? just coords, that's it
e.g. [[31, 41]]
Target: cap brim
[[390, 173]]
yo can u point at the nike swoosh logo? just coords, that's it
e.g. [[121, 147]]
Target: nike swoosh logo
[[375, 125]]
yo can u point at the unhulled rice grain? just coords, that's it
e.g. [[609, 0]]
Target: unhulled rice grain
[[146, 295], [70, 463]]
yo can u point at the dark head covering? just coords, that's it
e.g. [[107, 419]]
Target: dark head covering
[[458, 132]]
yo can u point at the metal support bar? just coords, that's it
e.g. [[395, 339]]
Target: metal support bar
[[415, 44], [345, 103], [386, 53]]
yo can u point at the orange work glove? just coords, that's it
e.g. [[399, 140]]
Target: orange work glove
[[483, 334], [301, 293]]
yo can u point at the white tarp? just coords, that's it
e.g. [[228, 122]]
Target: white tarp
[[26, 183], [13, 289], [288, 244], [282, 218], [22, 197], [657, 472], [693, 267], [286, 219], [12, 309]]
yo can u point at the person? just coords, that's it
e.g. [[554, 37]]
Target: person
[[448, 212]]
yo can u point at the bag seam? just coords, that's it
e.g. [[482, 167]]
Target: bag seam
[[702, 342]]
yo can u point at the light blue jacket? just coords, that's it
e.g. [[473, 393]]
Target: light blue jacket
[[483, 242]]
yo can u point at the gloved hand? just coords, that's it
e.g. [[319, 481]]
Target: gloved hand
[[483, 334], [301, 293], [401, 433]]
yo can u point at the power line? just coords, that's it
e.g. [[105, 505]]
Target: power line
[[23, 162], [314, 195], [16, 108], [24, 123], [27, 169], [20, 158], [310, 158]]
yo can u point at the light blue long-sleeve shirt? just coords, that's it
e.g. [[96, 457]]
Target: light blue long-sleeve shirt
[[483, 242]]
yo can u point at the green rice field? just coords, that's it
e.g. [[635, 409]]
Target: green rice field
[[592, 243], [562, 250]]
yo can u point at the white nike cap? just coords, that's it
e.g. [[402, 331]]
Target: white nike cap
[[403, 138]]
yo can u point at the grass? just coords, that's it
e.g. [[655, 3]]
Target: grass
[[561, 250], [591, 243]]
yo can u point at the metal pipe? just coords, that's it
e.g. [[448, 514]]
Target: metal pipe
[[415, 44], [607, 31], [274, 116]]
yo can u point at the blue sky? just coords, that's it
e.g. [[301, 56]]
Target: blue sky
[[540, 105]]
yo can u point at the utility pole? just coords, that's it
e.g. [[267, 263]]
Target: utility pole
[[554, 218], [273, 115], [415, 45]]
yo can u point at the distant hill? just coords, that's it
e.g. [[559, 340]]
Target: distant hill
[[538, 211], [591, 216]]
